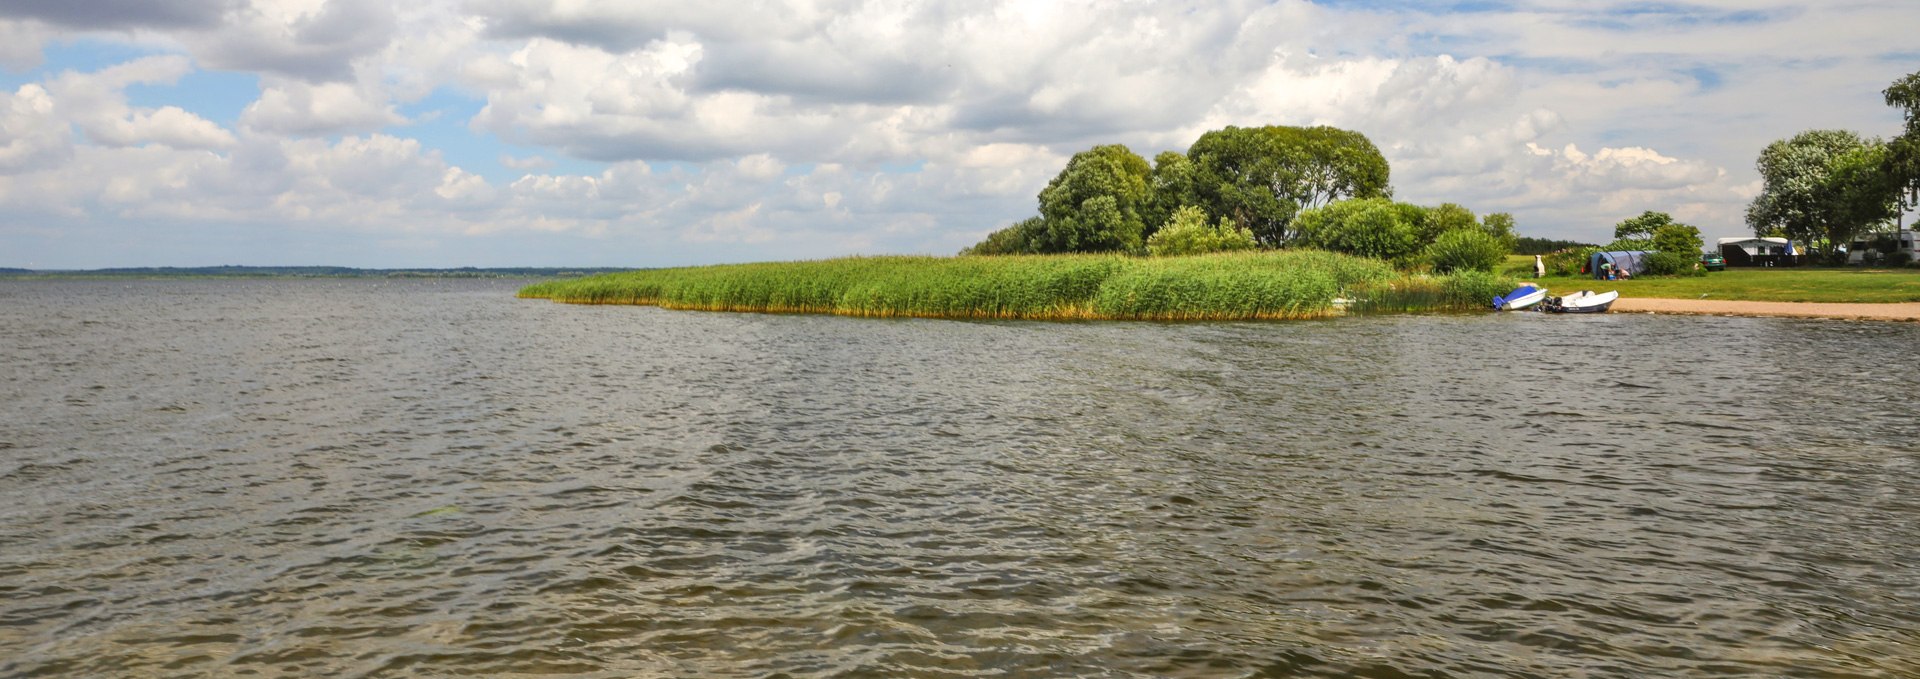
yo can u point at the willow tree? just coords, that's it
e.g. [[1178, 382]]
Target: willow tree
[[1262, 177]]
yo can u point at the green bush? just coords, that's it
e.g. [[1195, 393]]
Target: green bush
[[1569, 262], [1369, 227], [1899, 259], [1466, 250], [1187, 233], [1673, 264]]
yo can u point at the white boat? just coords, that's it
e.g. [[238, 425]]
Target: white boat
[[1582, 302], [1522, 297]]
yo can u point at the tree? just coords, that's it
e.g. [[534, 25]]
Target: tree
[[1171, 185], [1443, 218], [1641, 227], [1818, 188], [1262, 177], [1500, 225], [1677, 237], [1902, 162], [1014, 240], [1369, 227], [1097, 204], [1188, 233]]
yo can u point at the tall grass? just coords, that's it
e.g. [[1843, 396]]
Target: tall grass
[[1244, 285]]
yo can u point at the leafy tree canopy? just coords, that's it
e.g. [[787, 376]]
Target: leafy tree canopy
[[1098, 203], [1677, 237], [1188, 233], [1262, 177], [1822, 186], [1370, 227], [1641, 227]]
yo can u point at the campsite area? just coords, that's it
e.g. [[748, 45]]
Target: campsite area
[[1760, 284]]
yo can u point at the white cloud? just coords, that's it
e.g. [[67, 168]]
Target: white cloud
[[32, 135], [295, 107], [97, 104], [820, 127], [313, 40]]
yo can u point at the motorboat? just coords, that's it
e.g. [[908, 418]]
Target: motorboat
[[1582, 302], [1522, 297]]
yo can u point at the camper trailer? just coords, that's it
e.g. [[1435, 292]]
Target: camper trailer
[[1755, 251], [1903, 242]]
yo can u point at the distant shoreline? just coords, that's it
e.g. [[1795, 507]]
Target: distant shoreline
[[1877, 311]]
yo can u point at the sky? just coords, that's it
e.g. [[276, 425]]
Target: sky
[[448, 133]]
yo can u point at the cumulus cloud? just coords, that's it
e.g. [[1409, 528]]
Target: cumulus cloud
[[96, 104], [121, 14], [294, 107], [313, 40], [809, 128], [32, 135]]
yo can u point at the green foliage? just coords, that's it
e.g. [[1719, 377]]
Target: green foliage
[[1541, 246], [1641, 228], [1261, 177], [1674, 263], [1188, 233], [1822, 187], [1097, 204], [1902, 166], [1460, 291], [1171, 185], [1679, 238], [1443, 218], [1466, 249], [1017, 239], [1570, 262], [1500, 225], [1239, 285], [1369, 227]]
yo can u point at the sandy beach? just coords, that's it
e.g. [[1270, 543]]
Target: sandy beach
[[1903, 311]]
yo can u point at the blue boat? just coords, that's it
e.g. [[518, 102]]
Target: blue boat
[[1522, 297]]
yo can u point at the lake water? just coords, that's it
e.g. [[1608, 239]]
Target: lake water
[[408, 478]]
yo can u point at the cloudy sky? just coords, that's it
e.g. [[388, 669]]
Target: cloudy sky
[[443, 133]]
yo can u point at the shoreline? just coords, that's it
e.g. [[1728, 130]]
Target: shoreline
[[1853, 311]]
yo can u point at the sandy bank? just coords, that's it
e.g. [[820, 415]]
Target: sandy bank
[[1902, 311]]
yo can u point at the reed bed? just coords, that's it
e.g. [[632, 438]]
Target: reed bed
[[1235, 286]]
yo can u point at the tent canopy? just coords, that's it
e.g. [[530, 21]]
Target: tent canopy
[[1631, 261]]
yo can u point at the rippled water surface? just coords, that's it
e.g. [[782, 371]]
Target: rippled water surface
[[304, 478]]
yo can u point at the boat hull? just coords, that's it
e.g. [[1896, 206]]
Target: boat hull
[[1521, 298], [1583, 302]]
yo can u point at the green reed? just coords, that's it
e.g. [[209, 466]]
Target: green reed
[[1246, 285]]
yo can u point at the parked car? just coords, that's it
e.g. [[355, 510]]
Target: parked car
[[1712, 261]]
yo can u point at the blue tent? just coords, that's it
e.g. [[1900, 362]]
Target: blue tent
[[1631, 261]]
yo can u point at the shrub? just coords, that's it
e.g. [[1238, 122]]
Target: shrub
[[1017, 239], [1188, 233], [1569, 262], [1371, 227], [1671, 263], [1678, 237], [1466, 250], [1899, 259]]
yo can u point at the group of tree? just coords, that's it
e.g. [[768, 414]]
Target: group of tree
[[1528, 245], [1242, 188], [1676, 246], [1829, 188]]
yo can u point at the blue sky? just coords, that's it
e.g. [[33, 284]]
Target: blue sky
[[605, 133]]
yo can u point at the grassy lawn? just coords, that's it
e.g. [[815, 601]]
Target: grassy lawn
[[1802, 284]]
